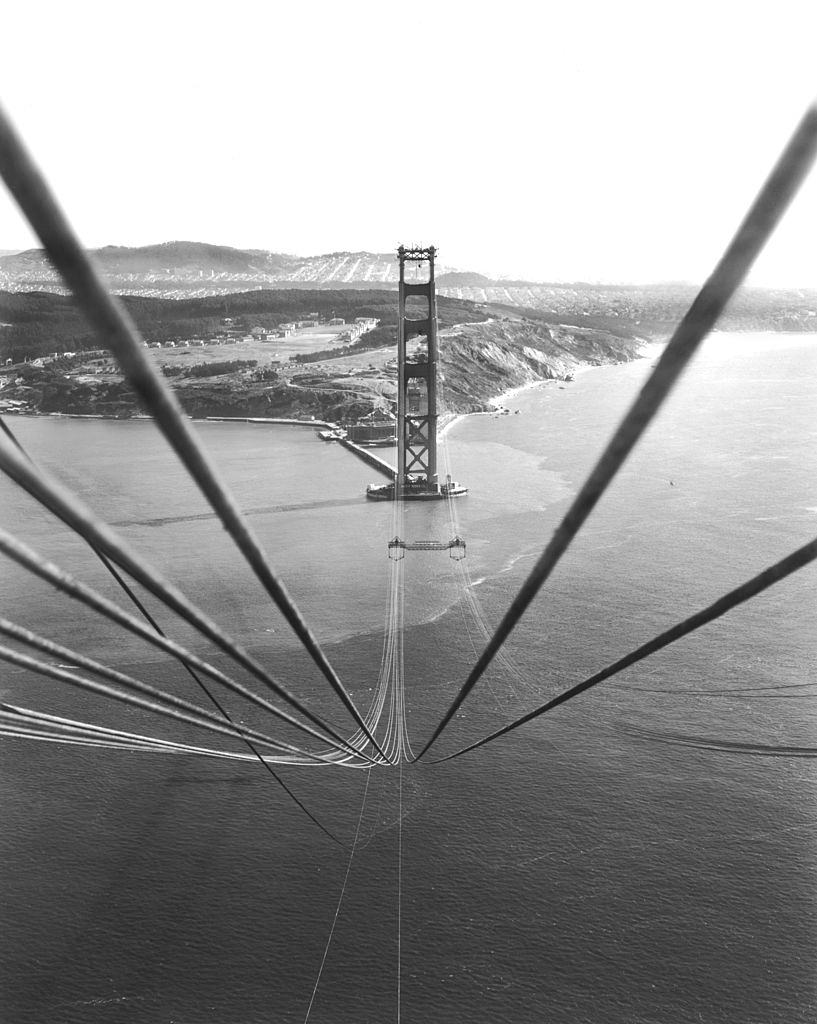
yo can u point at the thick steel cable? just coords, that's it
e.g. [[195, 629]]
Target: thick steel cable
[[133, 741], [66, 737], [65, 654], [761, 220], [121, 581], [72, 511], [32, 193], [10, 435], [9, 712], [64, 582], [123, 584], [745, 592], [63, 675], [39, 725]]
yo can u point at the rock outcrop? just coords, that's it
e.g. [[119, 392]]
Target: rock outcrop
[[482, 360], [478, 362]]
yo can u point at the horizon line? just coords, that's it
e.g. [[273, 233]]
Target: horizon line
[[504, 280]]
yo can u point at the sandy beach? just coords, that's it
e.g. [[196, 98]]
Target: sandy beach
[[497, 402]]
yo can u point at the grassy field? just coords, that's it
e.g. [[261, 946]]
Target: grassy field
[[309, 339]]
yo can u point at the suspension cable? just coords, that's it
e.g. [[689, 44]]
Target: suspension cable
[[10, 435], [80, 518], [64, 675], [66, 583], [121, 581], [76, 737], [115, 326], [65, 654], [38, 725], [759, 223], [123, 584], [751, 588]]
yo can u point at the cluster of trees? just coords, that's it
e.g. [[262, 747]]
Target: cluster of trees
[[265, 374], [217, 369], [29, 374]]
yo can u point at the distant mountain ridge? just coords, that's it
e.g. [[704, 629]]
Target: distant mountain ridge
[[193, 270], [196, 269], [191, 256]]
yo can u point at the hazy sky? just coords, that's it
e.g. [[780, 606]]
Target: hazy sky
[[602, 141]]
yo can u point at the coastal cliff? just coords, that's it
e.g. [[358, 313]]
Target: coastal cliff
[[477, 362], [480, 361]]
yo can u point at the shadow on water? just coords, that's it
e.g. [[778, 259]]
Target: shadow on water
[[268, 510]]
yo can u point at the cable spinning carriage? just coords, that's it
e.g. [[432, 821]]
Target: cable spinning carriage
[[398, 548]]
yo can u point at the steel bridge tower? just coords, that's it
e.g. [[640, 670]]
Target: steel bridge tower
[[417, 378], [416, 477]]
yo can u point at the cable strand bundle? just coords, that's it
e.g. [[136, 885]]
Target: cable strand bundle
[[758, 225], [114, 325]]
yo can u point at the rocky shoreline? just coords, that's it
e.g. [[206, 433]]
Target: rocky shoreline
[[478, 362]]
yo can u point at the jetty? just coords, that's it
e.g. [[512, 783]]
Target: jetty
[[367, 456], [370, 458], [267, 419]]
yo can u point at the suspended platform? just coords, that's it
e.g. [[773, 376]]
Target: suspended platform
[[398, 548]]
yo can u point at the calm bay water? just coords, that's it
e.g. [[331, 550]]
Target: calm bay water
[[604, 864]]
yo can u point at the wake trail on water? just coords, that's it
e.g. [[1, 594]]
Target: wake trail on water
[[722, 745], [769, 692]]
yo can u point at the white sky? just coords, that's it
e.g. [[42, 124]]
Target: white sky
[[609, 141]]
